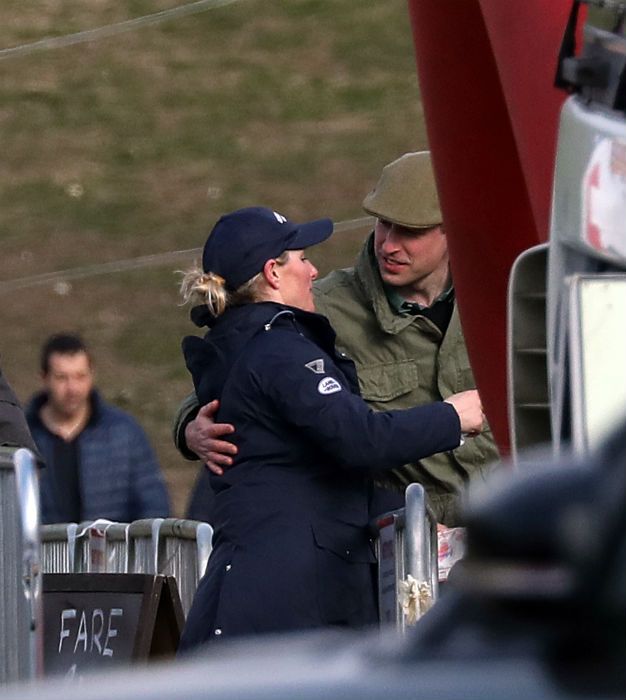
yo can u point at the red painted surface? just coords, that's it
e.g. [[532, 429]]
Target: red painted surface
[[486, 70]]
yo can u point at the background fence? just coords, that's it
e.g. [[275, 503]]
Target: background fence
[[170, 546]]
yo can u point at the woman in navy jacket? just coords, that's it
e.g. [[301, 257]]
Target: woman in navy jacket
[[291, 547]]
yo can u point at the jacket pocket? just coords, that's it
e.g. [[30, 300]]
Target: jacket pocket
[[387, 381], [344, 575], [349, 542]]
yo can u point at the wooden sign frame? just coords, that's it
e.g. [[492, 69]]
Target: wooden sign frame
[[145, 609]]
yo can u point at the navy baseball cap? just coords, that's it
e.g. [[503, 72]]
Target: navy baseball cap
[[243, 241]]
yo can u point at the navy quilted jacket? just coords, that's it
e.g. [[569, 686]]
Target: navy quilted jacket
[[120, 478]]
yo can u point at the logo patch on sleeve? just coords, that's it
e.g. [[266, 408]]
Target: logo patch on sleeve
[[328, 385], [316, 366]]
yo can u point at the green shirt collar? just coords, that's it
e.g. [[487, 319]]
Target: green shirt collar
[[401, 306]]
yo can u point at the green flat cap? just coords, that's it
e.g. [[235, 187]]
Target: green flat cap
[[406, 193]]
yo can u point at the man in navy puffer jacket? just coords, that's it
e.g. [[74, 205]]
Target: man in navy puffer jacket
[[99, 463]]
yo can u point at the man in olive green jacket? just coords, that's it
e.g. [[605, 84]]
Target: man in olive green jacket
[[395, 315]]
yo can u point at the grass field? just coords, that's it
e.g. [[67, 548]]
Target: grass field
[[132, 145]]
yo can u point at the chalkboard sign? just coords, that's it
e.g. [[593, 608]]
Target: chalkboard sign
[[95, 621]]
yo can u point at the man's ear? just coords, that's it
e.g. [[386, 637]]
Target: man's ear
[[271, 272]]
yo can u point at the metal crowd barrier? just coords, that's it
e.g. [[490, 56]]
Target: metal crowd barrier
[[181, 544], [407, 553], [406, 541], [20, 593], [178, 548], [97, 546], [170, 546]]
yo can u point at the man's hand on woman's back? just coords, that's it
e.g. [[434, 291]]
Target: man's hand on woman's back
[[203, 434]]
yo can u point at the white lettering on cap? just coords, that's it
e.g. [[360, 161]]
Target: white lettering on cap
[[328, 385], [280, 218]]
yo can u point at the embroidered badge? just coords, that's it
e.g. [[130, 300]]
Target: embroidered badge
[[316, 366], [328, 385]]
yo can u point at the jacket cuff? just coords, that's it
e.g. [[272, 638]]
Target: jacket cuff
[[187, 412]]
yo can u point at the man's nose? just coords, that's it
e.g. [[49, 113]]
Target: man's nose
[[73, 386], [390, 242], [314, 272]]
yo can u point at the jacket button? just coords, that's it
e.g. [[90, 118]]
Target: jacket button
[[228, 567], [217, 632], [347, 551]]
